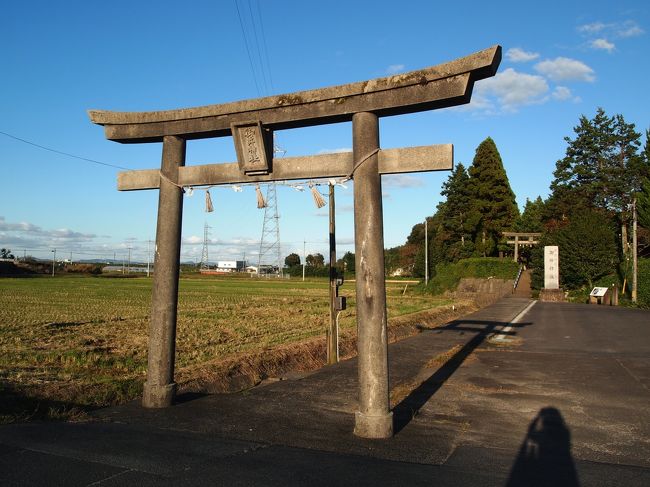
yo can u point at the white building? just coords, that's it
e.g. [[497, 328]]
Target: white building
[[231, 266]]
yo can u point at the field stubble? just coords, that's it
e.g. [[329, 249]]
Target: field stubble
[[72, 343]]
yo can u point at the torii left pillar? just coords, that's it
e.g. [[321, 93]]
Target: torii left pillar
[[160, 388]]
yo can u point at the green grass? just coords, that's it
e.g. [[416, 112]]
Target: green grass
[[82, 341]]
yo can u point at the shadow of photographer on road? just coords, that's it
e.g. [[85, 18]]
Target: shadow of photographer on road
[[544, 457]]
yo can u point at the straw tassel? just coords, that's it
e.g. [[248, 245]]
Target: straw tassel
[[260, 198], [208, 202], [318, 198]]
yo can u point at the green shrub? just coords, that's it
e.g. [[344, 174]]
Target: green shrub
[[448, 276], [643, 283]]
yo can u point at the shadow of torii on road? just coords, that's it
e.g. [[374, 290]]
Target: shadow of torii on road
[[409, 407]]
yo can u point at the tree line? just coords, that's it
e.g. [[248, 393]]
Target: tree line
[[315, 264], [604, 174]]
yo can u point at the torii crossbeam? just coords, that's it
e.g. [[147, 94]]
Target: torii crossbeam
[[251, 123]]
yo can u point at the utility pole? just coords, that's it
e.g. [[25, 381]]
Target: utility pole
[[304, 258], [332, 332], [53, 261], [634, 252], [426, 251], [71, 257], [128, 269], [148, 255]]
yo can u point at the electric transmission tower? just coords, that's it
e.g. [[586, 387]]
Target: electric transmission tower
[[204, 254], [270, 253]]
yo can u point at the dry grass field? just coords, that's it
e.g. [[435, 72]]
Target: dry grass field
[[69, 343]]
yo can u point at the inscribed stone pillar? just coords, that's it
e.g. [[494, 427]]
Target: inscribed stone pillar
[[551, 267]]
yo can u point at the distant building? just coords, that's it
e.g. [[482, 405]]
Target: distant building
[[231, 266]]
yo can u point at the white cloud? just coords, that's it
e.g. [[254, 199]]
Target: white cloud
[[60, 234], [512, 89], [593, 28], [565, 69], [629, 29], [395, 68], [518, 55], [603, 44], [402, 181], [335, 151], [562, 93], [193, 240]]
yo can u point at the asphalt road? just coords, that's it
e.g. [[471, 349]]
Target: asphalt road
[[561, 400]]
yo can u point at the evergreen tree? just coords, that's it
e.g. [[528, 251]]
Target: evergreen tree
[[643, 197], [601, 168], [493, 207], [455, 209], [531, 219], [588, 250]]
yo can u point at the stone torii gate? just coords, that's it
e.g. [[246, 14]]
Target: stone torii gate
[[251, 123]]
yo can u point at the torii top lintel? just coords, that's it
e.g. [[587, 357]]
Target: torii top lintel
[[435, 87]]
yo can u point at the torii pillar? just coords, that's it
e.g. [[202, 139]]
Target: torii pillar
[[251, 123]]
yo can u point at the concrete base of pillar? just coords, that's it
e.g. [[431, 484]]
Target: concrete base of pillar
[[367, 426], [552, 295], [156, 396]]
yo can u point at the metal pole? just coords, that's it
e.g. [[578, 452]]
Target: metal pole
[[160, 388], [634, 252], [304, 258], [53, 261], [374, 418], [148, 255], [332, 345], [426, 251], [128, 269]]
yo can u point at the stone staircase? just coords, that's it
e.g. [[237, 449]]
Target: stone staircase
[[523, 287]]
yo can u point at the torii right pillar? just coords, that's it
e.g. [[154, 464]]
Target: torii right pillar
[[374, 418]]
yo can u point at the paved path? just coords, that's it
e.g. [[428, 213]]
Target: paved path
[[563, 400]]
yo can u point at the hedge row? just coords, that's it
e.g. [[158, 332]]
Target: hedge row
[[447, 276]]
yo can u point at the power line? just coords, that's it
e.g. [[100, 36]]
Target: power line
[[61, 152], [264, 44], [250, 59], [257, 46]]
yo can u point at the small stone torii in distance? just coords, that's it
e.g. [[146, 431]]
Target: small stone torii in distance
[[251, 123]]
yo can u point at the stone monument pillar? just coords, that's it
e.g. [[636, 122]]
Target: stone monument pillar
[[551, 291]]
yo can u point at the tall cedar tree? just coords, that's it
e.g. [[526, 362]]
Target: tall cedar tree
[[601, 168], [643, 197], [643, 205], [455, 209], [493, 207], [531, 219]]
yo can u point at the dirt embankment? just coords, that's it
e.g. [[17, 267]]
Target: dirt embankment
[[245, 371]]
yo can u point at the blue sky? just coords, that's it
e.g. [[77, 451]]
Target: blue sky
[[59, 59]]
